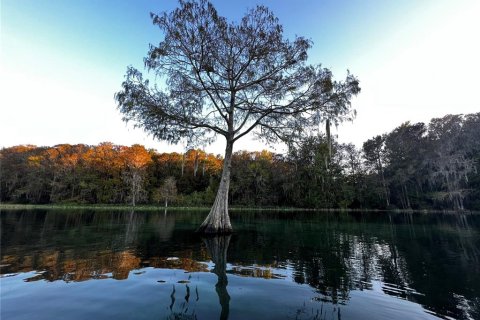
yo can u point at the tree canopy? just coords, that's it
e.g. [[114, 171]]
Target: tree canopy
[[224, 78], [214, 77]]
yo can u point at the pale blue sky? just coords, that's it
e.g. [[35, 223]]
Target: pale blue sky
[[62, 62]]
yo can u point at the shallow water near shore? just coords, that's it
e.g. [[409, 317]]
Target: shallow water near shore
[[80, 264]]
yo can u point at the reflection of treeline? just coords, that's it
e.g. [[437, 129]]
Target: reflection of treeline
[[87, 245], [334, 253], [423, 258], [414, 166], [57, 265]]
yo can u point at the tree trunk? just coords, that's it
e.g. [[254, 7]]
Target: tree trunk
[[329, 141], [133, 195], [218, 220], [195, 164], [183, 163], [407, 200]]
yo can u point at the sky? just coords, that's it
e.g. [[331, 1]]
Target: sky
[[61, 63]]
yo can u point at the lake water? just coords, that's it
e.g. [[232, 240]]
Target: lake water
[[152, 265]]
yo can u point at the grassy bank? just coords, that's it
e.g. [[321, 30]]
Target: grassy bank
[[10, 206]]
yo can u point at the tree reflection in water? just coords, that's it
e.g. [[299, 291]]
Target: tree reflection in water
[[334, 254], [217, 247]]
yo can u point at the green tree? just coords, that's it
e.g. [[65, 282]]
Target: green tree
[[405, 150], [354, 173], [451, 159], [374, 154], [318, 177], [230, 79]]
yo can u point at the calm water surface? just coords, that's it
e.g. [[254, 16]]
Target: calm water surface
[[151, 265]]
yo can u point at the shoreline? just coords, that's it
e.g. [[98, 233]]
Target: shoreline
[[12, 206]]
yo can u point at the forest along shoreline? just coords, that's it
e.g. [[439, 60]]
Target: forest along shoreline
[[433, 167], [153, 208]]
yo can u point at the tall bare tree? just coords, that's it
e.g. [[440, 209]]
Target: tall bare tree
[[214, 77], [136, 160], [168, 190]]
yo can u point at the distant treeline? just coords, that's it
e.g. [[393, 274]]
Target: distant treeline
[[417, 166]]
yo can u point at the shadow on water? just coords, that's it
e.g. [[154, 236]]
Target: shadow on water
[[429, 260]]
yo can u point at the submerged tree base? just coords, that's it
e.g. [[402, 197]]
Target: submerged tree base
[[209, 229], [216, 223], [218, 220]]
